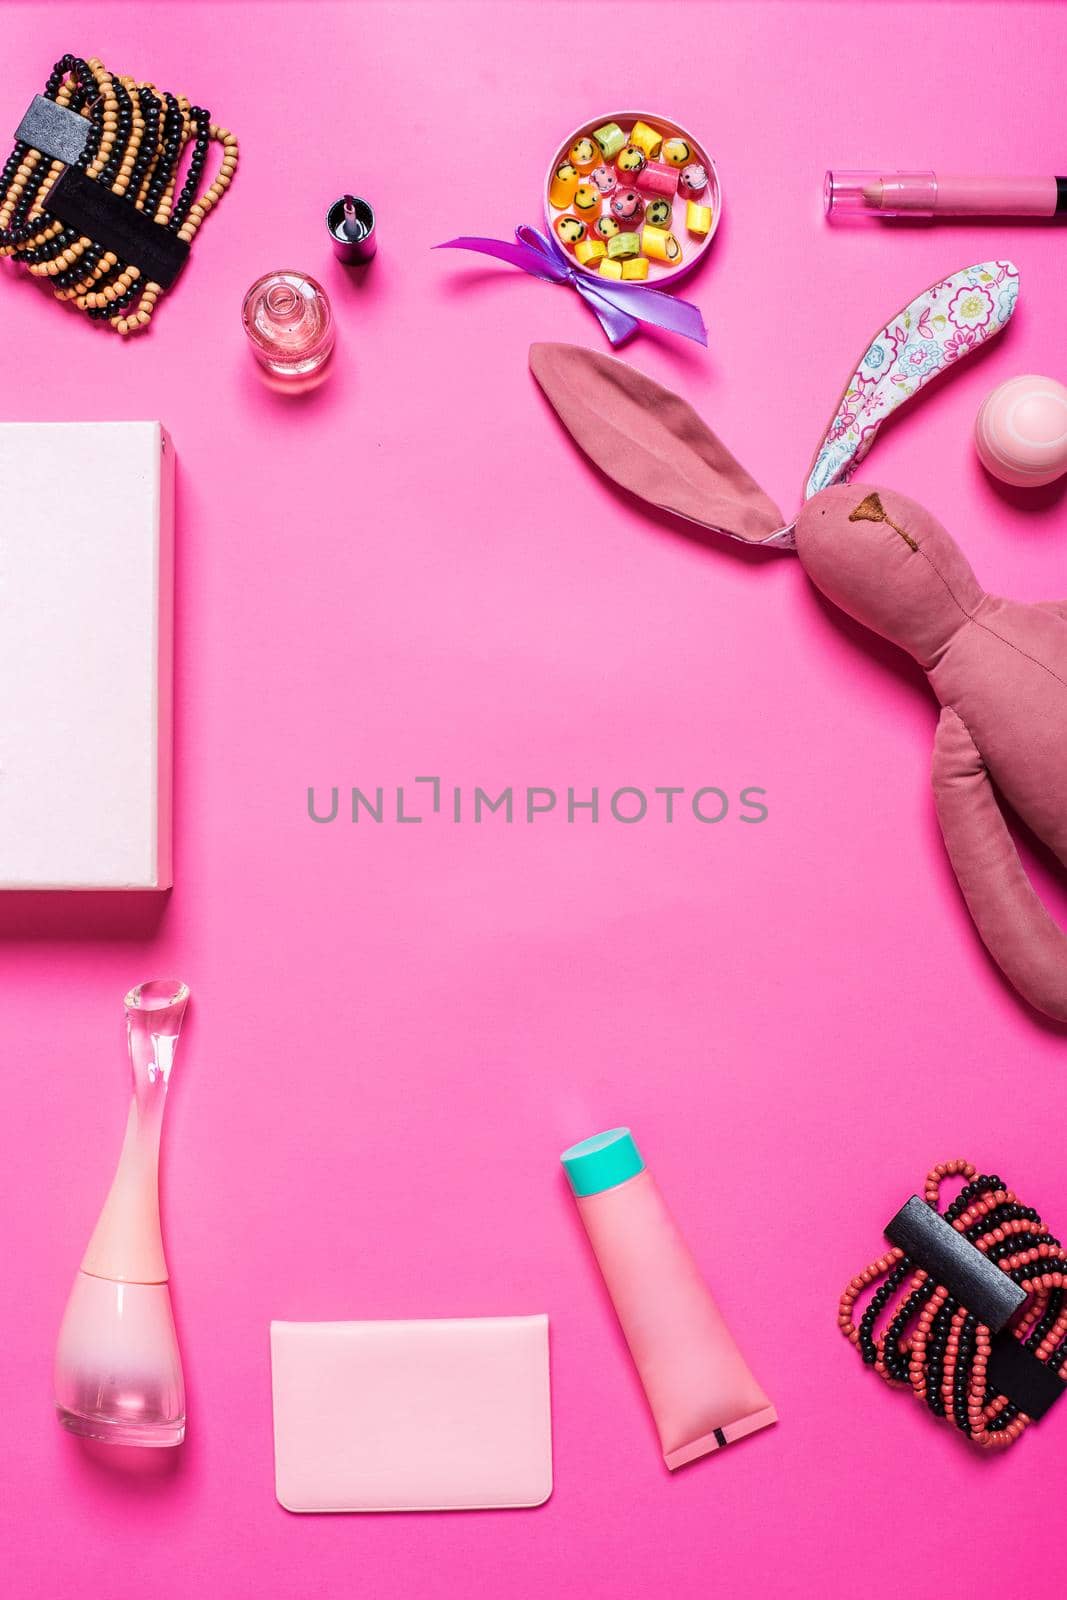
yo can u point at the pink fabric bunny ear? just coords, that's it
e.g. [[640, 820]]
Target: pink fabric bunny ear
[[653, 443]]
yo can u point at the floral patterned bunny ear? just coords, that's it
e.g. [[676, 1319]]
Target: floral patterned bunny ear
[[941, 326]]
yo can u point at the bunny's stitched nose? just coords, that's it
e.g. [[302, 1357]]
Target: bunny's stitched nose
[[871, 509]]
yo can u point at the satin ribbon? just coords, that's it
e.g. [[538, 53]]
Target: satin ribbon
[[619, 307]]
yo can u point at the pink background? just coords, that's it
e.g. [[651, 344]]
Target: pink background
[[396, 1029]]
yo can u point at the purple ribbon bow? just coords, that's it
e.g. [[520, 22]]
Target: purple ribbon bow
[[618, 306]]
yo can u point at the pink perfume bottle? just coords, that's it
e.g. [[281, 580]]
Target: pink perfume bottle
[[289, 324], [118, 1372]]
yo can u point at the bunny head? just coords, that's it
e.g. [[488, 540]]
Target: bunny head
[[998, 667], [855, 543], [890, 564]]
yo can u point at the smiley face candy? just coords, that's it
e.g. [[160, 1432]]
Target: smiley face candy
[[693, 179], [565, 181], [605, 227], [658, 213], [677, 152], [585, 154], [627, 206], [604, 179], [587, 202], [629, 161], [570, 230]]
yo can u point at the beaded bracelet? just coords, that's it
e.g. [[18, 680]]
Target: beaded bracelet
[[932, 1343], [136, 139]]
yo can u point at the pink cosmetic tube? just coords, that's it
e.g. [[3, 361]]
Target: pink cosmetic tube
[[931, 195], [699, 1388]]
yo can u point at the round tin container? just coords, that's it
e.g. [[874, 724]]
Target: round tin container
[[661, 275]]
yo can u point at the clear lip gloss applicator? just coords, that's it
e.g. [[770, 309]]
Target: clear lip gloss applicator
[[118, 1371], [930, 195]]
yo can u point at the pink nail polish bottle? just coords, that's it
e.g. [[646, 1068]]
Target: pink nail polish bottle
[[118, 1371], [289, 324]]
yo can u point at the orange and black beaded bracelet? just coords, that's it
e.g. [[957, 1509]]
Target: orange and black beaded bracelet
[[93, 196], [978, 1325]]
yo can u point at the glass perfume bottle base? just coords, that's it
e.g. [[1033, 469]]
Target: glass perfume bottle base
[[149, 1435], [118, 1370], [289, 324]]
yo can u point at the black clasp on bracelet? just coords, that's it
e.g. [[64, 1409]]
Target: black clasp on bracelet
[[79, 202], [55, 131], [948, 1258]]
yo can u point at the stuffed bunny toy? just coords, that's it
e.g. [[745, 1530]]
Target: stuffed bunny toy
[[999, 668]]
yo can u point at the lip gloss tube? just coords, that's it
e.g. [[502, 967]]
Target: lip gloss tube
[[698, 1385], [929, 195]]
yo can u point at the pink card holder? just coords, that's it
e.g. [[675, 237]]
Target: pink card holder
[[442, 1415]]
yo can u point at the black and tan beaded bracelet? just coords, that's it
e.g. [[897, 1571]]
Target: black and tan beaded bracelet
[[93, 198]]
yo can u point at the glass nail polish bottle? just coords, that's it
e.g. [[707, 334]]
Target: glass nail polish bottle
[[289, 324], [118, 1371]]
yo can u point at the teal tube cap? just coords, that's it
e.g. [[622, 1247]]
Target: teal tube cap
[[602, 1162]]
